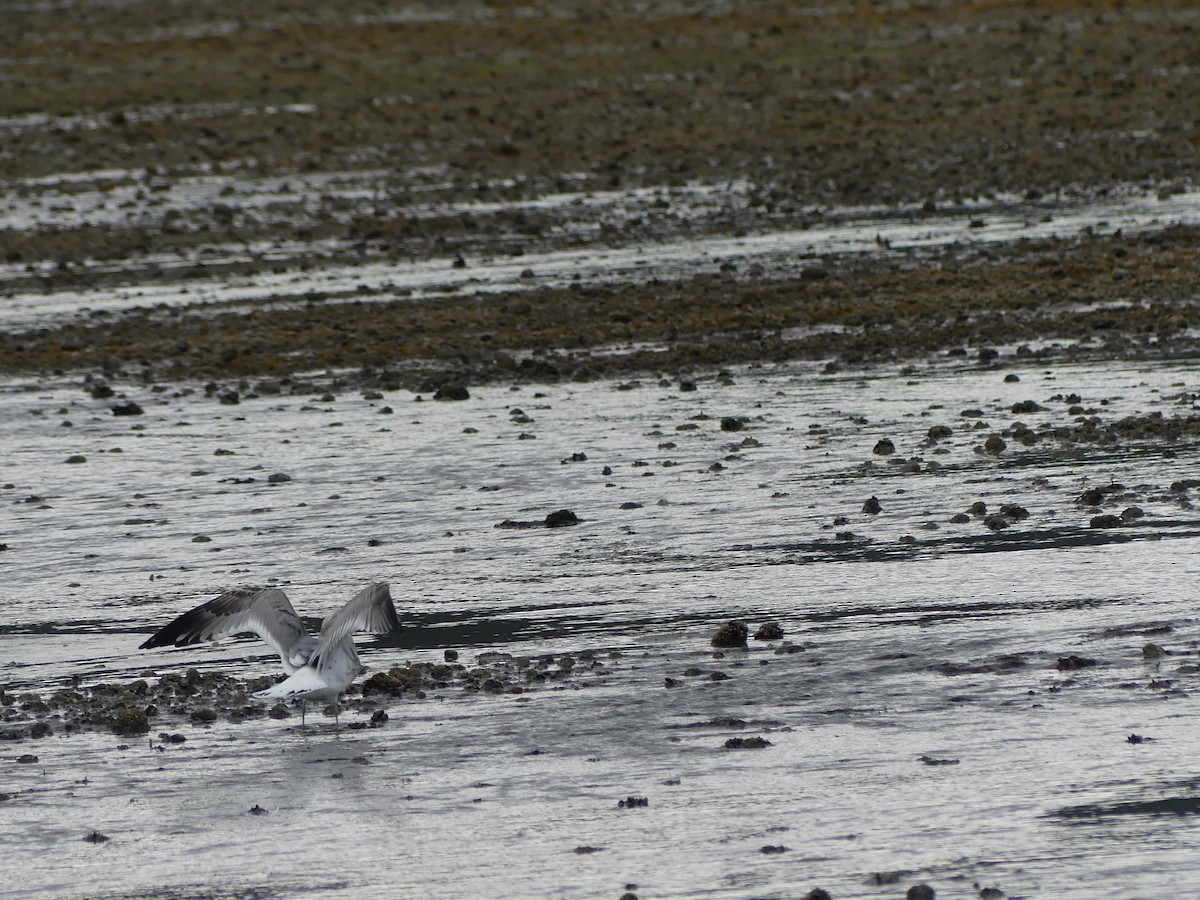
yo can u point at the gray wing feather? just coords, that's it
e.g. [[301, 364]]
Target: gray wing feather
[[265, 612], [370, 609]]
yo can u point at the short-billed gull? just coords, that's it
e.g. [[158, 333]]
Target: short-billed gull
[[318, 667]]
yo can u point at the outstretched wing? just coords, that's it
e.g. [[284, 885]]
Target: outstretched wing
[[370, 609], [265, 612]]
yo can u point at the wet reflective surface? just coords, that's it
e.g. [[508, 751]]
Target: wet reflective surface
[[959, 703]]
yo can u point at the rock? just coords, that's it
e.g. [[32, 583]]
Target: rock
[[76, 459], [131, 720], [978, 508], [731, 634], [633, 803], [1025, 406], [939, 432], [871, 506], [204, 714], [773, 848], [818, 894], [920, 891], [129, 408], [1132, 513], [561, 518], [1013, 511], [1153, 651], [451, 391], [101, 391], [994, 445], [450, 655], [733, 423], [996, 522], [884, 447], [278, 478], [1106, 521], [1073, 662], [769, 632], [1091, 497], [750, 743], [960, 518]]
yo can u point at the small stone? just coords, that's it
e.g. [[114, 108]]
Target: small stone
[[129, 408], [884, 447], [278, 478], [769, 632], [452, 391], [450, 655], [750, 743], [204, 714], [76, 459], [26, 759], [871, 506], [994, 445], [1153, 651], [731, 634], [1106, 521], [1073, 662], [279, 711], [773, 848], [920, 891], [818, 894], [732, 423], [131, 720], [561, 518]]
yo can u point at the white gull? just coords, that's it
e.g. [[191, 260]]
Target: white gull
[[318, 667]]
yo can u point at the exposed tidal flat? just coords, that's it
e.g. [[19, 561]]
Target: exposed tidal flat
[[777, 425]]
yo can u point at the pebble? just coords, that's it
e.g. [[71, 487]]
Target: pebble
[[732, 634]]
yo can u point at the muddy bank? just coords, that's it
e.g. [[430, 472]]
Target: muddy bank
[[1113, 296], [858, 103]]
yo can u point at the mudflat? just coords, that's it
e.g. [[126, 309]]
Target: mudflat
[[471, 117]]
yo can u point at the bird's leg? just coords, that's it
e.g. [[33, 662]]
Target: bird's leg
[[303, 710], [336, 721]]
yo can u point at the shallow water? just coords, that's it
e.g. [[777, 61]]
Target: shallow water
[[944, 647], [578, 219]]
